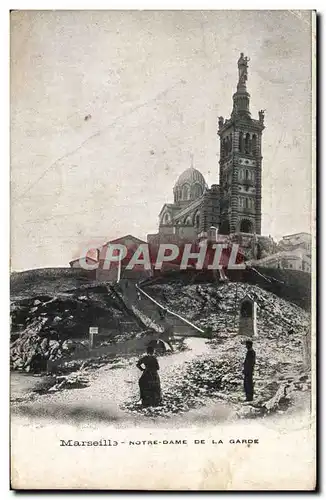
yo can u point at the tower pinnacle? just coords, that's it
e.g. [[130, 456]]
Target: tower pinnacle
[[241, 162], [241, 97], [243, 72]]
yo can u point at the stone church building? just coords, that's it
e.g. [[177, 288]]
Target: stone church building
[[234, 205]]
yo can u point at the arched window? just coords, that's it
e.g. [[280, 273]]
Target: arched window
[[254, 144], [247, 144], [241, 142], [197, 190], [230, 143], [166, 218], [246, 226], [227, 146], [187, 221], [185, 192], [223, 152]]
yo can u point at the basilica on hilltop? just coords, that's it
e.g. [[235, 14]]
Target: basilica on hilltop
[[230, 210], [233, 206]]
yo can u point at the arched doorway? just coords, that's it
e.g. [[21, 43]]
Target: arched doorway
[[248, 317], [246, 309], [224, 227], [246, 226]]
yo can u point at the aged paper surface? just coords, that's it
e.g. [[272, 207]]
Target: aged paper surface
[[163, 250]]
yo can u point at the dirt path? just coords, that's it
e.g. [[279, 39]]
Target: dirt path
[[109, 388], [113, 391]]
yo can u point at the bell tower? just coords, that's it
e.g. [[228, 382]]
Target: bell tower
[[240, 162]]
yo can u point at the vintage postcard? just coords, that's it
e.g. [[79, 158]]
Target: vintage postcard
[[163, 310]]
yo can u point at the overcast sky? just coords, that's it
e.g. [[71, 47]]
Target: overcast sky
[[108, 106]]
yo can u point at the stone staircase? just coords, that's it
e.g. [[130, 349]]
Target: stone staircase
[[181, 326], [132, 316], [126, 292], [148, 310]]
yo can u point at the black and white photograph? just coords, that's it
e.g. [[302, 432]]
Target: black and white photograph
[[163, 250]]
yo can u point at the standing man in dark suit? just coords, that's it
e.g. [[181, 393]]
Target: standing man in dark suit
[[248, 371]]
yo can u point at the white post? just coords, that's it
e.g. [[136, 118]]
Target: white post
[[210, 238], [93, 330], [236, 304], [255, 245], [213, 227], [119, 271], [254, 312]]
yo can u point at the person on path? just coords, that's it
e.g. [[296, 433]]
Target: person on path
[[161, 313], [248, 371], [149, 382], [168, 333]]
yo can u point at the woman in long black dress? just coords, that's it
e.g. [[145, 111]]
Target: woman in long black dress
[[149, 382]]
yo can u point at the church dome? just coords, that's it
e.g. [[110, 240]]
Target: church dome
[[190, 186], [191, 176]]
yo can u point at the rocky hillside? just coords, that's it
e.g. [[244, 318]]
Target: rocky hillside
[[48, 281], [47, 327], [54, 317], [217, 306], [280, 372]]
